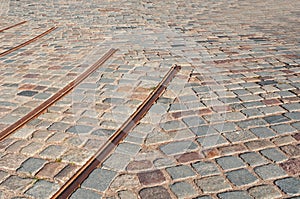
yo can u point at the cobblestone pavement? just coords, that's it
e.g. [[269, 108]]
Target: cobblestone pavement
[[226, 127]]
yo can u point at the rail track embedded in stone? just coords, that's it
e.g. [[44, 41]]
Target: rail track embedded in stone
[[12, 26], [107, 148], [46, 104], [27, 42]]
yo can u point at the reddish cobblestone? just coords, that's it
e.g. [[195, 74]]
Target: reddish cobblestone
[[151, 177], [292, 166], [189, 157]]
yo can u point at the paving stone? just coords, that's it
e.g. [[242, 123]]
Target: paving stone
[[58, 126], [251, 123], [78, 129], [85, 193], [94, 182], [238, 136], [263, 132], [274, 154], [234, 195], [283, 140], [125, 181], [31, 166], [117, 161], [128, 148], [252, 112], [139, 165], [151, 177], [289, 185], [283, 129], [232, 149], [42, 189], [157, 192], [189, 157], [291, 150], [193, 121], [269, 171], [127, 195], [213, 184], [204, 130], [253, 159], [293, 115], [183, 189], [66, 173], [241, 177], [181, 171], [212, 141], [50, 170], [32, 148], [174, 148], [264, 191], [53, 151], [291, 166], [275, 119], [292, 107], [258, 144], [164, 162], [230, 162], [172, 125], [16, 183], [27, 93], [225, 127], [203, 197], [12, 161], [206, 168]]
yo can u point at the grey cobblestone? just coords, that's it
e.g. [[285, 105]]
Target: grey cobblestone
[[85, 193], [93, 182], [42, 189], [206, 168], [213, 184], [230, 162], [270, 171], [241, 177], [31, 166], [183, 189], [181, 171], [264, 191], [253, 159], [289, 185], [274, 154], [234, 195]]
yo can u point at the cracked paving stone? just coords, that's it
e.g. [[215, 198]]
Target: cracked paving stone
[[157, 192], [241, 177], [42, 189], [234, 195], [206, 168], [85, 193], [16, 183], [151, 177], [274, 154], [183, 189], [230, 162], [181, 171], [269, 171], [290, 186], [32, 166], [213, 184], [264, 191], [174, 148], [99, 179]]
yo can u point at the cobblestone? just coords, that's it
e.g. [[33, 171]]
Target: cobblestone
[[93, 182], [183, 190], [234, 195], [241, 177], [158, 192], [85, 193], [289, 185], [206, 168], [213, 184], [42, 189], [264, 191], [269, 171], [181, 171]]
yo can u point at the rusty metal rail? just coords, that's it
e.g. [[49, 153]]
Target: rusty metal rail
[[27, 42], [42, 107], [9, 27], [77, 179]]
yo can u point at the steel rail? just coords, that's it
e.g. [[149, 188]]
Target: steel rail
[[27, 42], [77, 179], [42, 107], [9, 27]]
